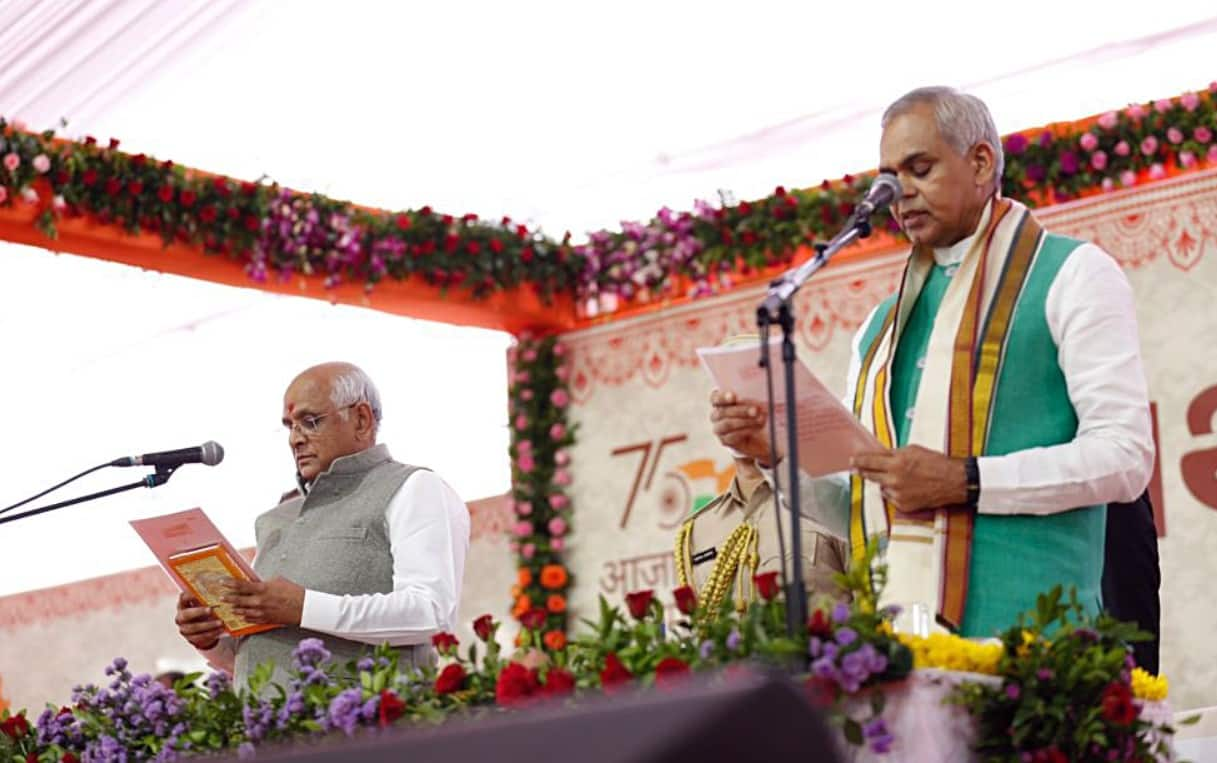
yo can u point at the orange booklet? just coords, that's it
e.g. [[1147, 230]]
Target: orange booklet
[[199, 560]]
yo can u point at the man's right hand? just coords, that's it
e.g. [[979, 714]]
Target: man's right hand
[[197, 624], [742, 425]]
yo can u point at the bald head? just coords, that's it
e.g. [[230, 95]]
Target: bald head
[[331, 410]]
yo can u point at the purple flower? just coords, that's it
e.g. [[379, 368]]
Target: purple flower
[[846, 636], [344, 711], [1045, 674], [706, 650], [825, 668], [1016, 144], [310, 652], [1069, 163], [1045, 139], [855, 667], [1013, 691], [733, 640], [1036, 173], [876, 734], [814, 646], [840, 613], [365, 665], [245, 751]]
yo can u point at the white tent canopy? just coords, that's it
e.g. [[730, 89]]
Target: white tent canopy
[[563, 115]]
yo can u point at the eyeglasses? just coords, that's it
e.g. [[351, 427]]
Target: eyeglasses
[[311, 425]]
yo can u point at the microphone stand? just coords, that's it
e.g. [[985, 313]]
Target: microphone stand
[[777, 307], [157, 478]]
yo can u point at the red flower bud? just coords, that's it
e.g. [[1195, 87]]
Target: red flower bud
[[639, 602], [403, 222], [686, 599], [766, 584], [188, 198], [483, 627], [165, 193]]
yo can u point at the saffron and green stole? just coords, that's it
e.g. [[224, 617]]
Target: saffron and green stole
[[988, 335]]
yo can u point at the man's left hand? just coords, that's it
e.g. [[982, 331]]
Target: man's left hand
[[276, 602], [914, 478]]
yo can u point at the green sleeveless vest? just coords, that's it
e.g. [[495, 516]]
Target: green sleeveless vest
[[1014, 557]]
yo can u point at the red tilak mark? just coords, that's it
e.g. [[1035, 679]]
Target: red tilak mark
[[291, 407]]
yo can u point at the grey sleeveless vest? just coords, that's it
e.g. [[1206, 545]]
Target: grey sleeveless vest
[[335, 540]]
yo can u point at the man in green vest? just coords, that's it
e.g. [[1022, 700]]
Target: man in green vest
[[1004, 380], [367, 551]]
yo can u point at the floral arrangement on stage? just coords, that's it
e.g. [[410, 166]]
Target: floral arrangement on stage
[[541, 438], [1063, 689], [275, 232]]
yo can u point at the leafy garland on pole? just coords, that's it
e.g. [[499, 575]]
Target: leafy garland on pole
[[541, 438], [277, 232]]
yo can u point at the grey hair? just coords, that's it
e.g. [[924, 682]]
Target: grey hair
[[963, 120], [354, 386]]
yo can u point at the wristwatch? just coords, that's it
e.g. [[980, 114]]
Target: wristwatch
[[971, 471]]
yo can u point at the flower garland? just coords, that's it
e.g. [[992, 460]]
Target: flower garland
[[277, 232], [541, 438], [1065, 690]]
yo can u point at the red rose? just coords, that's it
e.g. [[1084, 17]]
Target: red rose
[[188, 197], [62, 177], [139, 160], [470, 218], [221, 186], [747, 238], [165, 193], [450, 679], [31, 757], [252, 223], [207, 214], [89, 177], [473, 247], [15, 726], [526, 255], [639, 602], [745, 208], [533, 619], [167, 165], [391, 707], [766, 584], [233, 213], [451, 242], [484, 627], [848, 180], [845, 208], [496, 246], [1117, 704], [792, 201], [779, 192], [446, 220], [428, 247], [825, 186], [521, 231], [67, 756], [113, 143], [248, 188], [686, 599], [403, 222], [559, 682], [425, 211], [135, 188], [444, 642], [515, 685], [113, 187], [614, 673], [670, 670], [819, 625], [90, 140]]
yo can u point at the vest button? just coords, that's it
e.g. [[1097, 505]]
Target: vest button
[[909, 414]]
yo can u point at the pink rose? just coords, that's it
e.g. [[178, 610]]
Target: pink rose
[[1174, 135], [1163, 105], [526, 463], [1109, 120], [1187, 159], [1135, 111], [557, 526], [58, 202], [559, 398], [530, 355], [1190, 101], [42, 164], [557, 544], [524, 446], [526, 394], [562, 477], [11, 162], [521, 422], [523, 508], [1213, 87], [1157, 171], [29, 195], [3, 194], [561, 458], [557, 432], [1149, 146], [528, 550], [559, 350], [1128, 178], [512, 355], [1107, 184], [1098, 160], [522, 377], [1211, 156], [523, 529], [1088, 141], [563, 373], [557, 502], [1202, 134], [1122, 148]]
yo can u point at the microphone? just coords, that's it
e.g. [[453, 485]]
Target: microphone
[[209, 453], [881, 194]]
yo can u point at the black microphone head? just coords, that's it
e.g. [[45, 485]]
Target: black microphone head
[[213, 453], [884, 190]]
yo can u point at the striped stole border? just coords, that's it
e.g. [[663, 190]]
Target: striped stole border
[[857, 520]]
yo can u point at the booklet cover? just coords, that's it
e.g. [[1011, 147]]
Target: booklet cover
[[200, 560], [829, 434]]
